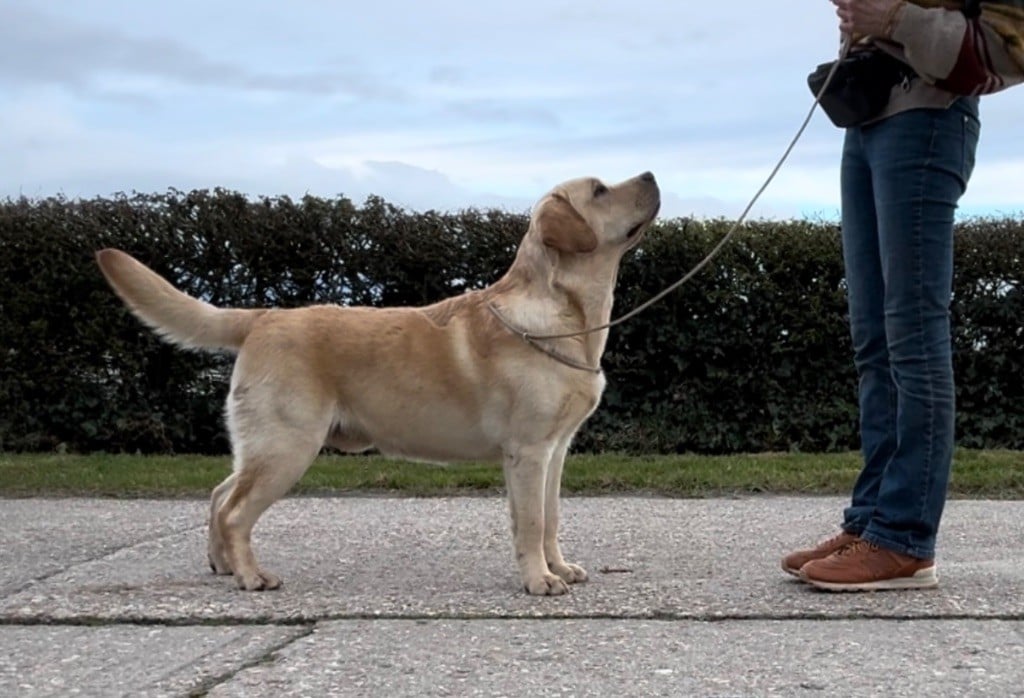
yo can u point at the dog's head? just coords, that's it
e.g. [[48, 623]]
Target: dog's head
[[580, 216]]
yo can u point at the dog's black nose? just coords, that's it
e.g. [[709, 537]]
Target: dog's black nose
[[647, 177]]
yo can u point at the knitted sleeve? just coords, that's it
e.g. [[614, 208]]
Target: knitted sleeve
[[964, 56]]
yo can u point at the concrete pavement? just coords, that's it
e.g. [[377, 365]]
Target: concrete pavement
[[420, 597]]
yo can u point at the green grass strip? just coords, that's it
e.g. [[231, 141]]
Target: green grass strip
[[976, 474]]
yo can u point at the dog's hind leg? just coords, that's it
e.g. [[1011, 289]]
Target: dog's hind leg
[[569, 572], [524, 474], [215, 546], [277, 430], [261, 478]]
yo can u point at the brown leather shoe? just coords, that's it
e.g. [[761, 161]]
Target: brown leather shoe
[[864, 566], [795, 560]]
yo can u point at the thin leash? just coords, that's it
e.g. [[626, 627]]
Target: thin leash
[[532, 339]]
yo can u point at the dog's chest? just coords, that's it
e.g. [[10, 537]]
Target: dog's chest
[[578, 394]]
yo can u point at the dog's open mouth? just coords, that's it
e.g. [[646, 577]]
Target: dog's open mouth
[[635, 230]]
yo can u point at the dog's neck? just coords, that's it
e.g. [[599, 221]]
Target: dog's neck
[[559, 293]]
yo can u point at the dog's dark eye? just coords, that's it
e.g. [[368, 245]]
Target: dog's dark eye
[[600, 189]]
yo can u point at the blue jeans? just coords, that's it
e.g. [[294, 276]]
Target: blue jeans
[[901, 180]]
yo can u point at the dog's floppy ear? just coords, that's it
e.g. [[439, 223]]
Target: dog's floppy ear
[[562, 228]]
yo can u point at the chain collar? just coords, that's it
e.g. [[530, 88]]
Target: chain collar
[[525, 336]]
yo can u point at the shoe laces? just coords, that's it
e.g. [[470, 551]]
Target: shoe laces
[[856, 547]]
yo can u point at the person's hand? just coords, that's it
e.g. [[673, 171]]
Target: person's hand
[[866, 17]]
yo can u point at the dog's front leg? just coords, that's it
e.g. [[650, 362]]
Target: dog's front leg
[[552, 495], [524, 474]]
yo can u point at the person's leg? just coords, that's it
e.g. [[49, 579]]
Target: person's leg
[[865, 283], [876, 392], [921, 161]]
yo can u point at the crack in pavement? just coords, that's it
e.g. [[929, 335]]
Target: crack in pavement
[[103, 553], [267, 657]]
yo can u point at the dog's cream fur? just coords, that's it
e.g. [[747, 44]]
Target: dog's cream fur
[[444, 382]]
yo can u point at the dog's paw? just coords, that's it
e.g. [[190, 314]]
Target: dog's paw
[[546, 585], [570, 573], [258, 580]]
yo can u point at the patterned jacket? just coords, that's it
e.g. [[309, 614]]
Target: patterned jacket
[[954, 55]]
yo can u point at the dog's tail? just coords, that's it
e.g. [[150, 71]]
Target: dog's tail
[[176, 316]]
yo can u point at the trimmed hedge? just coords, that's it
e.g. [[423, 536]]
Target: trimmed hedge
[[751, 355]]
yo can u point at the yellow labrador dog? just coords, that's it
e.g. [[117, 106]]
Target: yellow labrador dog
[[452, 381]]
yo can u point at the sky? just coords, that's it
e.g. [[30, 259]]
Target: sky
[[442, 105]]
